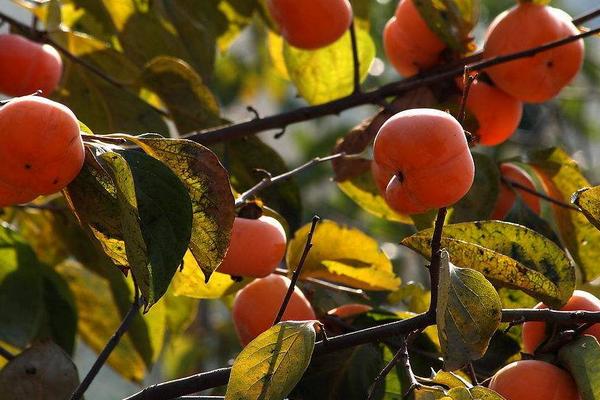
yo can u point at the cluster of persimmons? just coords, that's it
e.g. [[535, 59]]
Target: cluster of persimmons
[[422, 158]]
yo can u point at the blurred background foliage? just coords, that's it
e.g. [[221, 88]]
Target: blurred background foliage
[[226, 59]]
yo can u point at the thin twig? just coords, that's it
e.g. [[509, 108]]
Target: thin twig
[[471, 372], [110, 346], [355, 58], [298, 270], [7, 355], [402, 357], [327, 285], [588, 16], [269, 180], [467, 82], [434, 267], [543, 196]]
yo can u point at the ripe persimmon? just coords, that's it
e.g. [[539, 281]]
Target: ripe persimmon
[[534, 380], [534, 332], [256, 247], [256, 305], [27, 66], [538, 78], [507, 194], [40, 148], [349, 310], [429, 154], [311, 24], [409, 43], [498, 114]]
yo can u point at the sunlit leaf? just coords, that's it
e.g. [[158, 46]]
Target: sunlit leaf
[[581, 357], [561, 177], [21, 289], [508, 255], [272, 364], [326, 74], [156, 215], [207, 183], [42, 372], [190, 282], [468, 313], [191, 104], [345, 255]]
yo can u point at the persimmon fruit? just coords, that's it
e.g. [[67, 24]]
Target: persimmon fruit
[[40, 148], [408, 42], [349, 310], [429, 155], [498, 114], [534, 380], [256, 305], [27, 66], [534, 332], [256, 247], [507, 195], [540, 77], [311, 24]]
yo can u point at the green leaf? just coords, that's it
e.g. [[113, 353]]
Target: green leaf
[[60, 310], [507, 254], [561, 178], [468, 313], [272, 364], [344, 255], [191, 104], [363, 191], [21, 290], [451, 20], [207, 183], [44, 371], [103, 106], [243, 157], [582, 359], [191, 282], [480, 200], [327, 74], [156, 215]]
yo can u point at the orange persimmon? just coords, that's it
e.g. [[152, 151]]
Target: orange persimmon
[[40, 148], [507, 195], [256, 247], [256, 305], [311, 24], [534, 332], [429, 155], [27, 66], [540, 77]]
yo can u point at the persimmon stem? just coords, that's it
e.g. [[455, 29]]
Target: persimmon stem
[[355, 58], [298, 270], [110, 346], [543, 196], [271, 180]]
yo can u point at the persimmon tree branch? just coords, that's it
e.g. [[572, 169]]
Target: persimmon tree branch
[[376, 96], [298, 270], [207, 380], [326, 284], [515, 184], [434, 266], [355, 58], [110, 346]]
